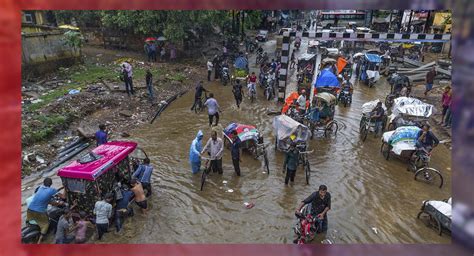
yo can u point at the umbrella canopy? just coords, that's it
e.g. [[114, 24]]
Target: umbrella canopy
[[358, 55], [241, 63], [161, 38], [341, 64], [373, 58], [150, 39], [245, 132], [288, 101], [327, 97], [329, 60], [326, 79], [375, 51]]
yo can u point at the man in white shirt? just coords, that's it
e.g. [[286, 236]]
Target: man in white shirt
[[209, 70], [215, 147], [212, 109], [302, 102]]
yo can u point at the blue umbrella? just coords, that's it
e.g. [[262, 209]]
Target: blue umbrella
[[241, 63], [326, 79]]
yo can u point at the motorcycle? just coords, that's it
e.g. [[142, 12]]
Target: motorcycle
[[31, 232], [306, 226], [268, 92], [225, 76], [252, 46], [345, 97]]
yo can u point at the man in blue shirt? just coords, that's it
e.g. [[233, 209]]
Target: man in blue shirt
[[38, 206], [143, 174], [123, 208], [235, 151], [101, 135]]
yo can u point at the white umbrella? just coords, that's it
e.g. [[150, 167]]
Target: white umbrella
[[161, 38]]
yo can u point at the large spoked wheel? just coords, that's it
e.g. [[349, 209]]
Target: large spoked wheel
[[265, 159], [385, 149], [331, 129], [430, 176], [362, 123], [307, 171]]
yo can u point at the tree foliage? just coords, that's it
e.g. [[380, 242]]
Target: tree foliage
[[174, 25]]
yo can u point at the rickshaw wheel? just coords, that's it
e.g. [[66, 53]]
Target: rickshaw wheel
[[363, 133], [434, 222], [265, 158], [362, 123], [330, 128], [385, 149], [429, 176], [307, 170]]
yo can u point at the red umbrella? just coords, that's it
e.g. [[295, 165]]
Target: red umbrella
[[150, 39]]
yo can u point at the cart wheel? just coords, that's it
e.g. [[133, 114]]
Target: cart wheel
[[307, 171], [311, 130], [429, 176], [265, 159], [434, 222], [331, 128], [363, 132], [385, 149]]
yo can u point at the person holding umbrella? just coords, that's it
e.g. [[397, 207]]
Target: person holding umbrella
[[150, 49]]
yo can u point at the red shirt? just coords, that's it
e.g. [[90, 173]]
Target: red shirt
[[253, 78]]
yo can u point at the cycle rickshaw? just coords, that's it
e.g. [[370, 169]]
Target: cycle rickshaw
[[287, 131], [366, 123], [252, 140], [438, 214], [402, 143], [323, 106], [408, 111]]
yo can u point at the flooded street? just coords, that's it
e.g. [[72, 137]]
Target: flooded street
[[373, 200]]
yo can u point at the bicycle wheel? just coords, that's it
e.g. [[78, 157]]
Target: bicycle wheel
[[331, 129], [307, 171], [430, 176], [203, 178], [391, 127], [385, 149], [265, 159], [362, 123]]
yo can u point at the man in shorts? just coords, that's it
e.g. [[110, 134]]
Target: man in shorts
[[38, 206], [140, 198]]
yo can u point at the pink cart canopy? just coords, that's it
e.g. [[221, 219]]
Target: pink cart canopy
[[112, 153]]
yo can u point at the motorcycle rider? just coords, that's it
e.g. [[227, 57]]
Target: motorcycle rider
[[38, 206], [251, 83], [346, 86], [320, 204]]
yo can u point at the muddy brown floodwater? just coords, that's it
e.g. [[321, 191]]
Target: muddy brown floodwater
[[373, 200]]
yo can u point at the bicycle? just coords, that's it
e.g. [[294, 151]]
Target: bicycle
[[252, 94], [206, 171], [419, 163], [303, 159], [199, 107]]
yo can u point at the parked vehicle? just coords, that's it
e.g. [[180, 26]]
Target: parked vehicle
[[262, 35], [370, 72]]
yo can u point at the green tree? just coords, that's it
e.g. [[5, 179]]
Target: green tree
[[74, 39]]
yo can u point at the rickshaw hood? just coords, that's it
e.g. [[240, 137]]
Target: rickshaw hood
[[111, 154]]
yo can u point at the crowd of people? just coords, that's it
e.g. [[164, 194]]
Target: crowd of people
[[73, 224]]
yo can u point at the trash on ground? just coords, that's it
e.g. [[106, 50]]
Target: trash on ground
[[375, 230], [230, 190]]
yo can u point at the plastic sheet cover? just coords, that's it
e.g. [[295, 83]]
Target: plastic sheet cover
[[369, 106], [284, 126]]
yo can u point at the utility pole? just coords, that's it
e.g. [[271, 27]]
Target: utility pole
[[390, 20], [427, 21]]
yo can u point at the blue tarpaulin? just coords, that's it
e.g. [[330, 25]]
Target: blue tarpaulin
[[326, 79], [241, 63], [373, 58]]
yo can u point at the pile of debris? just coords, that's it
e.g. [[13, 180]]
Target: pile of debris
[[416, 71]]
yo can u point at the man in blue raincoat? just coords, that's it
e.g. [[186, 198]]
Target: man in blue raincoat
[[194, 152]]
